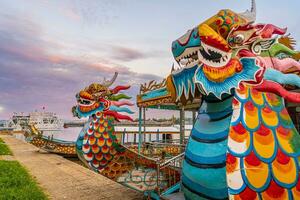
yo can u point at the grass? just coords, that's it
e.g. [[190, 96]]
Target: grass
[[17, 184], [4, 150]]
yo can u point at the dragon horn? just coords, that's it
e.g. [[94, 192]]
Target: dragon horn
[[250, 16], [110, 82]]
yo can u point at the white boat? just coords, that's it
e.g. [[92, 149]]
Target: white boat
[[18, 121], [8, 125], [45, 121]]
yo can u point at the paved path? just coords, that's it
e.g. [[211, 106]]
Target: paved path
[[63, 179]]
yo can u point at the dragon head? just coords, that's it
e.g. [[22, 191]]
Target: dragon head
[[226, 50], [206, 44], [97, 97]]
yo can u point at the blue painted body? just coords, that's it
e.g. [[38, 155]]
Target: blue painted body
[[249, 70], [184, 82], [279, 77], [204, 166]]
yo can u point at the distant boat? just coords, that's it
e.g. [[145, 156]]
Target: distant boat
[[8, 125], [43, 120]]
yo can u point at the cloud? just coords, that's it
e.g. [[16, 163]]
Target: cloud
[[126, 54], [31, 77], [121, 53]]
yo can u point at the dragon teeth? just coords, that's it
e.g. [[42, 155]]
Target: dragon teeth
[[205, 48], [188, 58]]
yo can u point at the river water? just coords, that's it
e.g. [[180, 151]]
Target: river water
[[71, 134], [66, 134]]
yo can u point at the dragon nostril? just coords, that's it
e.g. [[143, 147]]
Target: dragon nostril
[[195, 34], [174, 46]]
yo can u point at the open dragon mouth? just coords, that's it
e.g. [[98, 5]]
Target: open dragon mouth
[[212, 56], [85, 102], [205, 54], [189, 57]]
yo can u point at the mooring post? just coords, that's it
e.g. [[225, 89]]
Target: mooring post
[[140, 130], [144, 123], [123, 136], [194, 117], [182, 125]]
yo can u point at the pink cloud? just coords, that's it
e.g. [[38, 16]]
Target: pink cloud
[[31, 77], [30, 53]]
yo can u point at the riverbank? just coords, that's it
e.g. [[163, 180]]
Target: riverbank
[[63, 179], [15, 181], [4, 150]]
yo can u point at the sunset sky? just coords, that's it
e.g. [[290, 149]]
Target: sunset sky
[[50, 49]]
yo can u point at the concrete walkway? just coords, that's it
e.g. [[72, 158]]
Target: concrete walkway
[[63, 179]]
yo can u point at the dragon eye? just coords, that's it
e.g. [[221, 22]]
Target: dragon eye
[[238, 39]]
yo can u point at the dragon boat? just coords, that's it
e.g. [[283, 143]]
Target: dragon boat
[[242, 80], [99, 148], [153, 149], [244, 144], [50, 144]]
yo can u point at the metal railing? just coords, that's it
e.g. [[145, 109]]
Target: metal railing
[[151, 175], [171, 171], [158, 150], [129, 137]]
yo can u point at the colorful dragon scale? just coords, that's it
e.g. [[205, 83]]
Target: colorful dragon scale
[[243, 144], [97, 144]]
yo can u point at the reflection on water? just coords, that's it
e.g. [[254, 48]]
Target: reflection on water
[[66, 134], [71, 134]]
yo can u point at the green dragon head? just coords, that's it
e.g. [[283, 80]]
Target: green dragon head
[[226, 50]]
